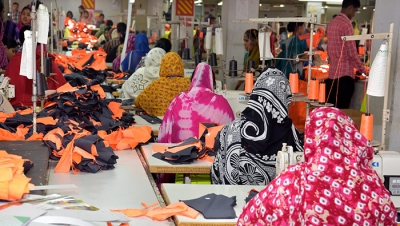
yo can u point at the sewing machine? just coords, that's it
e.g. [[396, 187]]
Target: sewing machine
[[237, 100], [286, 157], [7, 91], [387, 165]]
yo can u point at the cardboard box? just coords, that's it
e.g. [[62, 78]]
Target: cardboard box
[[354, 115]]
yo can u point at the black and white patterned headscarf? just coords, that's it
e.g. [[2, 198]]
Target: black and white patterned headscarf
[[265, 120], [247, 147]]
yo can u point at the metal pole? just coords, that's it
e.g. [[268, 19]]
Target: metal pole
[[386, 112], [34, 87], [310, 55], [51, 28]]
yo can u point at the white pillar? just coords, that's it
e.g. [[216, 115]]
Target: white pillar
[[233, 32], [381, 23]]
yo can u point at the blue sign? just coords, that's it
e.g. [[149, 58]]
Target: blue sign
[[375, 164]]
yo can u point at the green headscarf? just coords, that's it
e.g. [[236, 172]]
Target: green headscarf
[[101, 30]]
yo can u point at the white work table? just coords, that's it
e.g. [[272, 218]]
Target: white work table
[[126, 186], [141, 122], [159, 166], [175, 192]]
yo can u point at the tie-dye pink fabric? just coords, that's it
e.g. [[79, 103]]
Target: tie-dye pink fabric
[[336, 184], [199, 104]]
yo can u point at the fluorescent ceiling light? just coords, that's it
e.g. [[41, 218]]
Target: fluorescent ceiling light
[[198, 1], [220, 3], [281, 5]]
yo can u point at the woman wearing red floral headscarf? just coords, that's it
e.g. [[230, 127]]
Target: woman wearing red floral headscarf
[[336, 184]]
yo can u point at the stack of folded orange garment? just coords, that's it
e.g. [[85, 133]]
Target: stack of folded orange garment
[[13, 183]]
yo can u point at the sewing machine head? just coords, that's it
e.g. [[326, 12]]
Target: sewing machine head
[[237, 100], [7, 91], [387, 165]]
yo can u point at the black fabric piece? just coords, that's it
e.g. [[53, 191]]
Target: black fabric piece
[[112, 55], [75, 79], [207, 125], [185, 156], [128, 102], [108, 88], [252, 193], [28, 165], [214, 206], [152, 119], [61, 68]]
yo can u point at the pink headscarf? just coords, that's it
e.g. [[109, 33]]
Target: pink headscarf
[[130, 46], [336, 184], [3, 55], [20, 24], [199, 104]]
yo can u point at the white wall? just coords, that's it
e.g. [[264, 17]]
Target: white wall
[[384, 15], [361, 17]]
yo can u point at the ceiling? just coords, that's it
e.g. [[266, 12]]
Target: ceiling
[[363, 2]]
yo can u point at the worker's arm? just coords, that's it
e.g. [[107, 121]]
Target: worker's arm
[[350, 47]]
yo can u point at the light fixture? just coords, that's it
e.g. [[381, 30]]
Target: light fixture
[[281, 5], [260, 5], [198, 1], [364, 8], [220, 3], [326, 7]]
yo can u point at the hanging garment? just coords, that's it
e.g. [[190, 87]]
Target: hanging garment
[[336, 184], [214, 206]]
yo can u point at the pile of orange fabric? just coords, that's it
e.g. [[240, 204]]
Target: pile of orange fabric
[[80, 32], [13, 183], [88, 129], [80, 60]]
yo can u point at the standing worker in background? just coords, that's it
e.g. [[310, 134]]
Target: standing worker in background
[[81, 9], [343, 56], [15, 13], [100, 20]]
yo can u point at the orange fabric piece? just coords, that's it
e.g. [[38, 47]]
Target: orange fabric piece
[[4, 116], [161, 213], [159, 148], [115, 107], [46, 121], [210, 136], [128, 138], [66, 88], [99, 90], [13, 184]]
